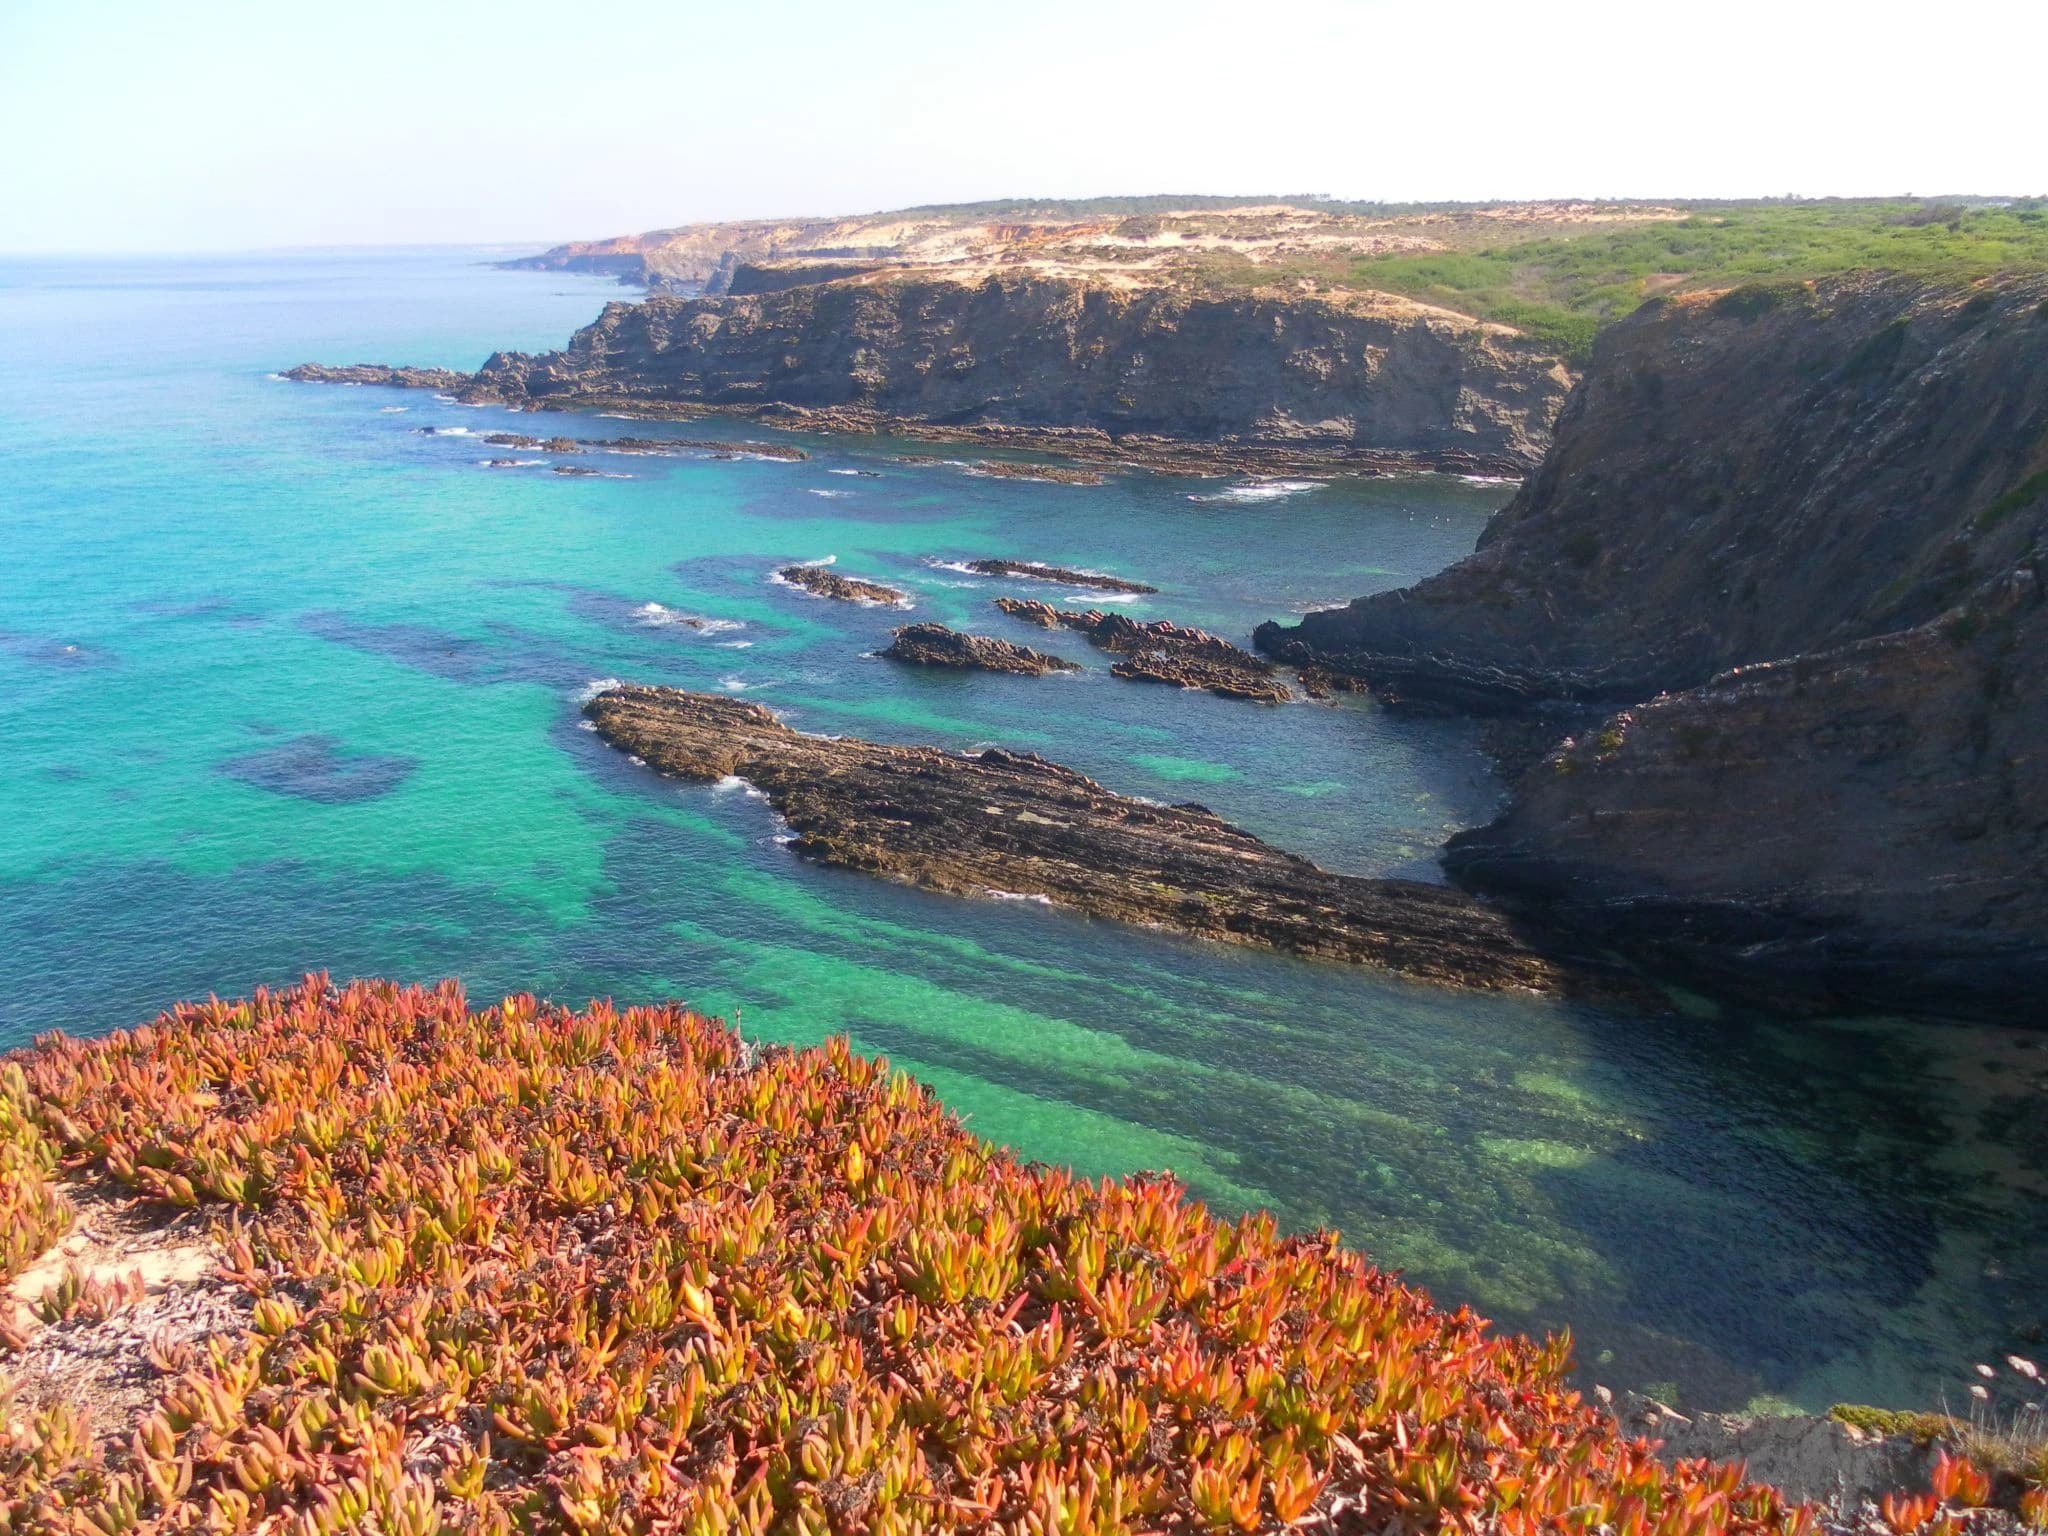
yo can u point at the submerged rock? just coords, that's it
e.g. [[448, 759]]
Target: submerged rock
[[316, 767], [1002, 823], [1036, 571], [1162, 652], [934, 645]]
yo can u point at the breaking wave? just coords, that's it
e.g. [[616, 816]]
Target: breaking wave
[[1248, 491]]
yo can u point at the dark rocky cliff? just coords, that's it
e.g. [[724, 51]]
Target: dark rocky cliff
[[1802, 533], [1735, 480], [1866, 825], [1312, 373]]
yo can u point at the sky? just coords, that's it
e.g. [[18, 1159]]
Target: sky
[[145, 125]]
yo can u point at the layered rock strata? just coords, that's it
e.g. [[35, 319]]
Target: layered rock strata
[[1800, 534], [1035, 571], [1162, 652], [999, 822], [934, 645], [724, 447], [1310, 377], [823, 581]]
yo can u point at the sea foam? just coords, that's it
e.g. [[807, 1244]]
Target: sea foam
[[1261, 490]]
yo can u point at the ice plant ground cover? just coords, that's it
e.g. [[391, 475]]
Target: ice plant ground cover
[[527, 1269]]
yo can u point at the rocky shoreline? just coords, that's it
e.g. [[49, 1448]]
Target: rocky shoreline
[[1764, 643], [1303, 375], [651, 446], [1085, 445], [934, 645], [1106, 374], [1005, 824], [1017, 469], [1104, 450], [1162, 652]]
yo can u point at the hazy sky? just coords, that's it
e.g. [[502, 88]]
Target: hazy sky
[[146, 124]]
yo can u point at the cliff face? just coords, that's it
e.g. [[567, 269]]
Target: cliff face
[[1820, 519], [1735, 480], [1145, 237], [694, 255], [1379, 374], [1866, 825]]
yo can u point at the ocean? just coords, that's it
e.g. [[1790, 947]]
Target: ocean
[[289, 683]]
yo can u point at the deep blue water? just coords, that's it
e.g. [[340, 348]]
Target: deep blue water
[[286, 683]]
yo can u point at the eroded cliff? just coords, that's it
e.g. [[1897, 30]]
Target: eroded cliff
[[1801, 533], [1736, 479], [1323, 375]]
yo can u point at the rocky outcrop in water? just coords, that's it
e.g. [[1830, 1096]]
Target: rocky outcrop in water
[[1320, 377], [1800, 533], [1023, 469], [1001, 823], [442, 380], [643, 446], [934, 645], [1034, 571], [823, 581], [1162, 652]]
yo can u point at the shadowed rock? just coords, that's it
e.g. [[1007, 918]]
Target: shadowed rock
[[48, 651], [1776, 600], [1001, 822], [1162, 652], [934, 645]]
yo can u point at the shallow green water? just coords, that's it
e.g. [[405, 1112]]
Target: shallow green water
[[285, 684]]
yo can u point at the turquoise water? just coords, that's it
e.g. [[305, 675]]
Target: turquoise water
[[287, 684]]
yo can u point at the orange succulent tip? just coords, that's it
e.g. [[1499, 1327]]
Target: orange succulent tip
[[1956, 1480], [2033, 1507], [740, 1292]]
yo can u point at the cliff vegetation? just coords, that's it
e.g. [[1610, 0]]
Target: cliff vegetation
[[1557, 271], [523, 1269], [1563, 287]]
